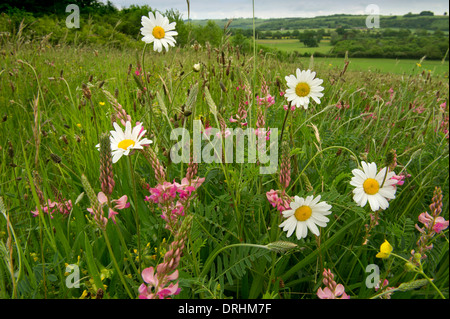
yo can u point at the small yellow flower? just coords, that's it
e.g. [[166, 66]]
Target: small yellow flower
[[385, 250], [84, 294], [79, 125], [101, 103], [419, 65]]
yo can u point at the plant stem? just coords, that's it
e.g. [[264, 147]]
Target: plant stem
[[284, 122], [431, 282], [136, 213]]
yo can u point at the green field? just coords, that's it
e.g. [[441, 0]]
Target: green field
[[406, 67], [290, 45], [397, 66]]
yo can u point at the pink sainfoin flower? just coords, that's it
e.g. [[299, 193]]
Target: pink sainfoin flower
[[279, 199], [433, 224], [138, 71], [64, 207], [265, 99], [384, 287], [437, 224], [332, 289], [120, 204], [401, 178], [173, 198], [240, 116], [157, 288], [286, 107], [161, 282], [268, 100]]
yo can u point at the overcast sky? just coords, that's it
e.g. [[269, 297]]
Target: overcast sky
[[219, 9]]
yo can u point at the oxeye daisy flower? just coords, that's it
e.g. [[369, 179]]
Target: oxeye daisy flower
[[123, 142], [305, 213], [156, 29], [302, 86], [372, 187]]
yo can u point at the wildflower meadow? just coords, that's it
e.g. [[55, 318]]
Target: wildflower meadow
[[208, 172]]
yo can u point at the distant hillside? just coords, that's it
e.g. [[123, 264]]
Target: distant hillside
[[408, 21]]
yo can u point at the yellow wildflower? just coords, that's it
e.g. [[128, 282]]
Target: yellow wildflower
[[385, 250]]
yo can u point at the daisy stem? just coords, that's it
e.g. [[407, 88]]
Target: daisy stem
[[136, 213]]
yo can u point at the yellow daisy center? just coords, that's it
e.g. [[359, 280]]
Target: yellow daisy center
[[302, 89], [125, 144], [371, 186], [158, 32], [303, 213]]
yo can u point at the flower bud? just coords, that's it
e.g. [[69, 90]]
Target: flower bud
[[409, 266], [196, 67]]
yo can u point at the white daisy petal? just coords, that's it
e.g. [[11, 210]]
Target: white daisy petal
[[288, 212], [116, 156], [312, 227], [374, 204], [300, 231], [365, 169]]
